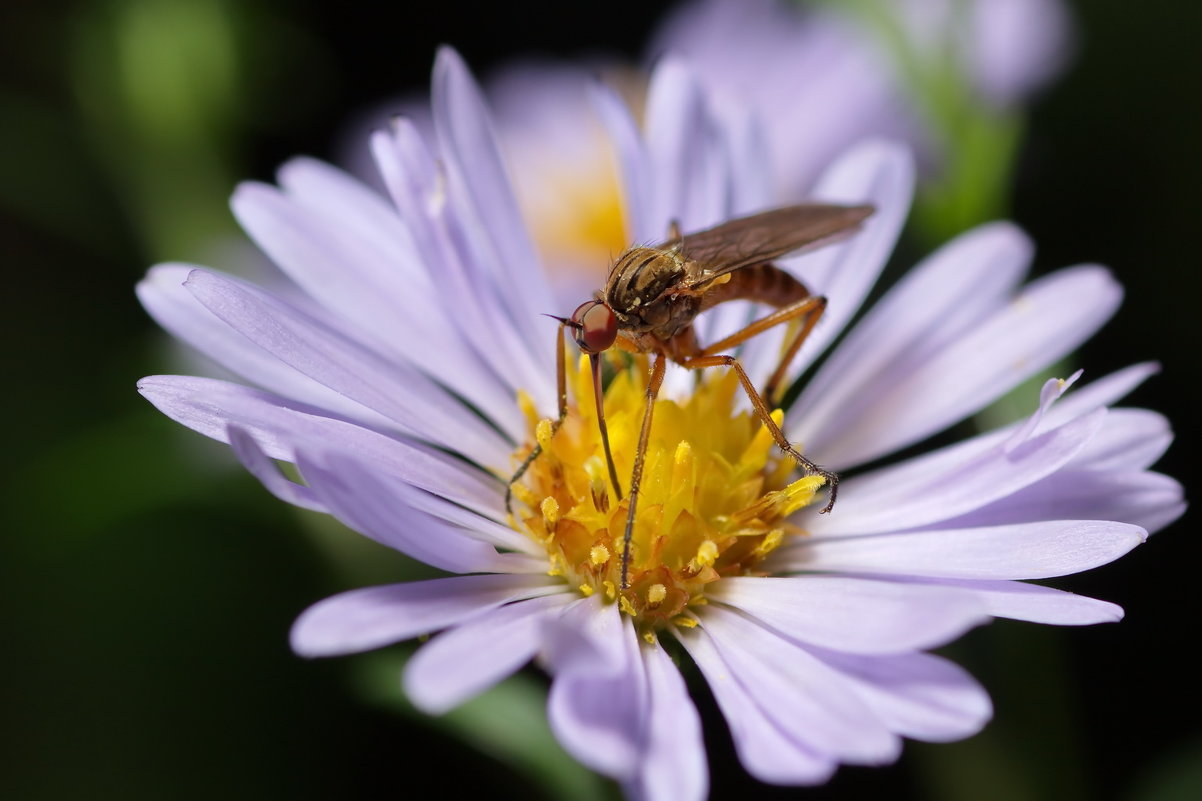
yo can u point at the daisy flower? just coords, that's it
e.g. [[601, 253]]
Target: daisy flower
[[410, 370]]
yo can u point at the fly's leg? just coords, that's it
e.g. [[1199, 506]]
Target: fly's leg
[[636, 478], [562, 396], [761, 409], [808, 310]]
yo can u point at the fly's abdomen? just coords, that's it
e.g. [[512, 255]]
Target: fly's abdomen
[[761, 283]]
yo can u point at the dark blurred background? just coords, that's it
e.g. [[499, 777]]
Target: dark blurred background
[[149, 587]]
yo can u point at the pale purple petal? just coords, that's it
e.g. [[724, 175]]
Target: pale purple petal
[[260, 465], [1023, 551], [373, 617], [596, 704], [767, 752], [950, 291], [917, 695], [1017, 45], [1104, 392], [799, 693], [1033, 603], [856, 615], [405, 395], [176, 309], [279, 425], [374, 506], [878, 173], [948, 460], [1131, 439], [377, 286], [1044, 323], [434, 212], [903, 496], [468, 659], [1049, 393], [673, 764], [1148, 500], [478, 179]]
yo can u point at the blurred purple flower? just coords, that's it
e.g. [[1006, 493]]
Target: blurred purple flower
[[393, 380], [822, 77]]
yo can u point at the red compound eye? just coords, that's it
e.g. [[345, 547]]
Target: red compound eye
[[596, 327]]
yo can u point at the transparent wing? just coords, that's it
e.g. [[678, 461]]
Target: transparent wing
[[763, 237]]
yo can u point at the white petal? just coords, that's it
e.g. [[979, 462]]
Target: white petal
[[478, 179], [1034, 603], [632, 161], [1144, 499], [449, 237], [1131, 439], [689, 173]]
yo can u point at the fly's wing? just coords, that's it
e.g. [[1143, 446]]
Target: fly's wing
[[763, 237]]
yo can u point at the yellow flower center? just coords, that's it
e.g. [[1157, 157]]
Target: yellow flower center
[[715, 497]]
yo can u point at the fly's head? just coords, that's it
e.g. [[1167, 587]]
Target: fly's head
[[594, 326]]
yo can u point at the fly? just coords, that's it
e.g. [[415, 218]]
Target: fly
[[653, 295]]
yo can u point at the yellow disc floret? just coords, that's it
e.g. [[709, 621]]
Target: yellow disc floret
[[715, 496]]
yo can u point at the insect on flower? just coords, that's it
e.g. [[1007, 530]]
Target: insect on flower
[[653, 295]]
